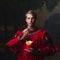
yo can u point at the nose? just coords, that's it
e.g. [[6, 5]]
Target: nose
[[30, 19]]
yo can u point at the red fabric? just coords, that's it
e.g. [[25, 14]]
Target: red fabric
[[38, 42]]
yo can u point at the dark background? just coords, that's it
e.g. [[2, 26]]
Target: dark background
[[12, 18]]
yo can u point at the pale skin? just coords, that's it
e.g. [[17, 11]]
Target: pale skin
[[30, 21]]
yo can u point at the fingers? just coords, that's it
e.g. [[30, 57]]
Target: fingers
[[27, 50], [25, 33]]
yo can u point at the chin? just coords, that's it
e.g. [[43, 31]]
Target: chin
[[29, 24]]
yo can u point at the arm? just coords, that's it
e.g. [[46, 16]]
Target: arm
[[49, 47], [14, 43]]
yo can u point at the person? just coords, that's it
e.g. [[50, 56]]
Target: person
[[32, 43]]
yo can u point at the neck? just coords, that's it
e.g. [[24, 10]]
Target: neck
[[31, 28]]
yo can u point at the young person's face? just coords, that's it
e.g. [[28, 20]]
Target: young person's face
[[30, 20]]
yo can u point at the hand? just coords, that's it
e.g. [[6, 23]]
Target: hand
[[33, 51], [25, 33], [29, 50]]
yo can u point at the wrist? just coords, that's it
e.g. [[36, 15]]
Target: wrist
[[21, 38]]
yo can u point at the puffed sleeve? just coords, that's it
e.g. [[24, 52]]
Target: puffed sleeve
[[49, 47], [14, 43]]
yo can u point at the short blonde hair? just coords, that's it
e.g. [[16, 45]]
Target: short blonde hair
[[33, 13]]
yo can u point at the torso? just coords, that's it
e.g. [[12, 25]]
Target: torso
[[35, 38]]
